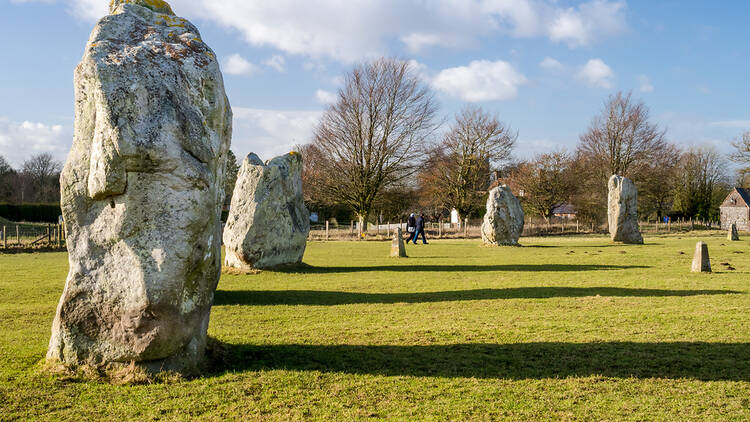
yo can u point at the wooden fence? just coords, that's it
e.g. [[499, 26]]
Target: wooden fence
[[29, 236]]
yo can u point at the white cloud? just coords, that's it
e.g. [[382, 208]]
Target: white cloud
[[480, 81], [237, 65], [351, 31], [596, 73], [550, 64], [646, 85], [736, 124], [276, 62], [270, 133], [326, 97], [20, 140], [591, 21]]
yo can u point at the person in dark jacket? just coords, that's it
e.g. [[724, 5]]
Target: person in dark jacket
[[419, 229], [411, 228]]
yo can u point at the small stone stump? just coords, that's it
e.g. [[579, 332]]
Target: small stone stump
[[701, 261], [398, 250], [733, 235]]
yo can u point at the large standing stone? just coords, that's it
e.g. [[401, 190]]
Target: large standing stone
[[268, 223], [701, 261], [398, 250], [142, 191], [732, 234], [503, 221], [623, 211]]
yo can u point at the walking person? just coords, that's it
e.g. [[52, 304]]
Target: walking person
[[419, 229], [411, 228]]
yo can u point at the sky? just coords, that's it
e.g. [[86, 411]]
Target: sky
[[544, 67]]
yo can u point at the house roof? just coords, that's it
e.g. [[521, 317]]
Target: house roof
[[564, 209], [743, 193]]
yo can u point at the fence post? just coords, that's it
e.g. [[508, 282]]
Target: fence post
[[49, 233], [5, 237], [18, 235], [466, 228], [440, 229], [326, 229], [577, 226]]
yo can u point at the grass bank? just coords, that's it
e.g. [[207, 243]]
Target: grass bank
[[561, 329]]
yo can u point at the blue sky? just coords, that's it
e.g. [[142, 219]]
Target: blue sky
[[544, 66]]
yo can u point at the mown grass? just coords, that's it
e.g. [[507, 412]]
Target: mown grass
[[561, 329]]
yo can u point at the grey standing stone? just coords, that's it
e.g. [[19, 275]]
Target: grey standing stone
[[733, 235], [623, 211], [701, 261], [398, 250], [503, 219], [268, 223], [142, 191]]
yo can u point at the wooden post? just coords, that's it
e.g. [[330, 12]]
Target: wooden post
[[388, 230], [5, 237], [49, 233], [466, 228], [326, 229], [577, 226], [440, 229], [351, 226]]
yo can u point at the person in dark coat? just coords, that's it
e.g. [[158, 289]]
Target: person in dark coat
[[411, 228], [419, 229]]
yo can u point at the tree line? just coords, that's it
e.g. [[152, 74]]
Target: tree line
[[37, 181], [378, 153]]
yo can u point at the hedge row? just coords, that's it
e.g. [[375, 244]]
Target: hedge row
[[31, 213]]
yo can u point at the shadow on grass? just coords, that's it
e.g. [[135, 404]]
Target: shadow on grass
[[316, 297], [309, 269], [700, 361]]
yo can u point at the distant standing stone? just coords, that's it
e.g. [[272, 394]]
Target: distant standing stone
[[701, 261], [397, 246], [623, 211], [503, 220], [268, 223], [733, 235]]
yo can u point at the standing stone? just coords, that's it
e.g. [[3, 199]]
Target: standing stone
[[623, 211], [268, 223], [142, 191], [503, 220], [398, 250], [701, 261], [733, 235]]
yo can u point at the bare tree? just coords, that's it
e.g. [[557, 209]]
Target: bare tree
[[373, 136], [742, 157], [547, 182], [657, 181], [42, 172], [458, 171], [7, 176], [230, 176], [621, 139], [703, 183]]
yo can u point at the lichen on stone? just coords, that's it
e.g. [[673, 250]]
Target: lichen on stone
[[159, 6]]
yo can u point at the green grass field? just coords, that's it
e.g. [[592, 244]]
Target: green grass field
[[561, 329]]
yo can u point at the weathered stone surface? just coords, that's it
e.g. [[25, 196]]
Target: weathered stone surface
[[623, 211], [701, 261], [142, 191], [503, 220], [268, 223], [398, 250], [733, 235]]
